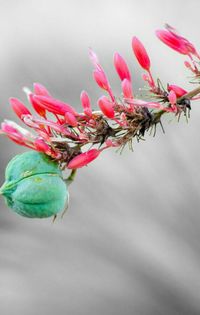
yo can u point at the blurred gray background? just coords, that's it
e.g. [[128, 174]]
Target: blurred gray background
[[129, 243]]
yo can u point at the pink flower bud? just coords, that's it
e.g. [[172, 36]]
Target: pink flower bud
[[12, 133], [174, 42], [42, 146], [19, 108], [101, 79], [172, 99], [127, 89], [106, 107], [39, 89], [70, 119], [40, 110], [121, 67], [177, 90], [54, 106], [85, 101], [83, 159], [141, 54]]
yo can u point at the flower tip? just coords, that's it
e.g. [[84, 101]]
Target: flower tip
[[40, 89]]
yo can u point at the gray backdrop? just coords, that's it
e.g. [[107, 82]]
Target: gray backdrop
[[129, 243]]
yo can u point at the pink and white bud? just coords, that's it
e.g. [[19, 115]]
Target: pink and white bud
[[141, 54], [12, 133], [83, 159], [19, 108], [177, 90], [71, 119], [127, 89], [106, 107], [85, 101], [121, 67]]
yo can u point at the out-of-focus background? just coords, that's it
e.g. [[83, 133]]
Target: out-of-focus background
[[129, 243]]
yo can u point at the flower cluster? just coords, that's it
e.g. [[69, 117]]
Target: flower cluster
[[75, 139]]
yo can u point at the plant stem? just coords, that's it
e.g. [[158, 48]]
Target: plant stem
[[71, 177], [190, 94]]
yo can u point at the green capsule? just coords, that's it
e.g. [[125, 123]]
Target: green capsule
[[34, 187]]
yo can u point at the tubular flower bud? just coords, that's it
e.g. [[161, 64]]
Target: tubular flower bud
[[12, 133], [174, 42], [106, 107], [101, 79], [34, 187], [70, 119], [172, 99], [177, 90], [39, 89], [52, 105], [127, 89], [85, 101], [19, 108], [40, 110], [42, 146], [83, 159], [141, 54], [121, 67]]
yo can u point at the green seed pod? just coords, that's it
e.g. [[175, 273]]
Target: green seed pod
[[34, 186]]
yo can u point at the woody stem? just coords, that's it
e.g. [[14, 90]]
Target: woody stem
[[190, 94]]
